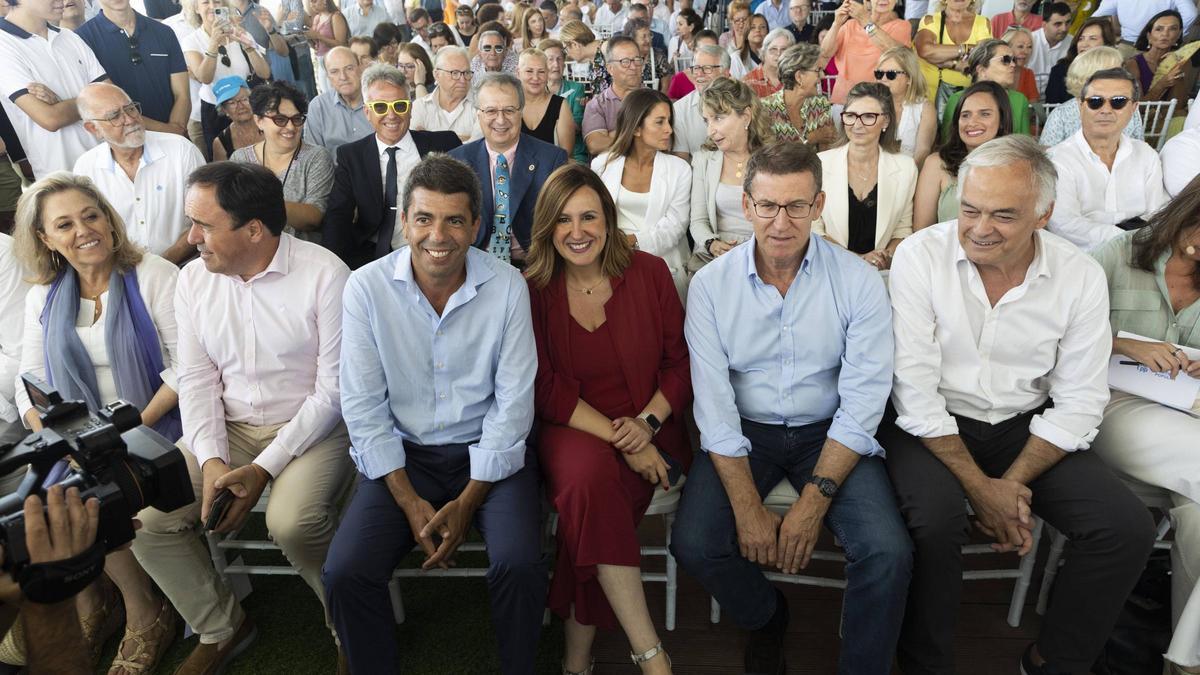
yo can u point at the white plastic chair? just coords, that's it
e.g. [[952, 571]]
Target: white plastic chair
[[1156, 118]]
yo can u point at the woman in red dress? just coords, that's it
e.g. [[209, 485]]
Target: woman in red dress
[[613, 381]]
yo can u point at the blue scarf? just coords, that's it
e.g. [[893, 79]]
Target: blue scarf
[[131, 341]]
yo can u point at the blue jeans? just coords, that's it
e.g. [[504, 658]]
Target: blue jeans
[[863, 516]]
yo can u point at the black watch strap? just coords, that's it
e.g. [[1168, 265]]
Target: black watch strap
[[827, 486]]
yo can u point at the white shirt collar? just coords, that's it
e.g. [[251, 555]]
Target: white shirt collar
[[406, 144]]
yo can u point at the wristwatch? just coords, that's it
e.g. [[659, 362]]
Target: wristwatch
[[650, 419], [708, 245], [827, 486]]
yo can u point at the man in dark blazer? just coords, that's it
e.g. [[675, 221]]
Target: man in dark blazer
[[360, 216], [499, 99]]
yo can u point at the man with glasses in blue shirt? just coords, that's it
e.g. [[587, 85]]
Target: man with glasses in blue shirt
[[791, 345], [335, 117]]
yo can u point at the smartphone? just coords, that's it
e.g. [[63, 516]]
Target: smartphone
[[222, 14], [674, 468], [220, 506]]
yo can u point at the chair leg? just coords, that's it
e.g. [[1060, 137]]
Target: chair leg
[[397, 600], [672, 572], [1021, 589], [1058, 542]]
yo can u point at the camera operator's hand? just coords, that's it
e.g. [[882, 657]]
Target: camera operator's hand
[[65, 529], [247, 484]]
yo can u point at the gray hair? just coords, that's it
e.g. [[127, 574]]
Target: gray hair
[[451, 50], [84, 100], [382, 72], [1119, 74], [498, 80], [616, 41], [796, 58], [982, 55], [714, 50], [775, 35], [1015, 149], [493, 32], [343, 50]]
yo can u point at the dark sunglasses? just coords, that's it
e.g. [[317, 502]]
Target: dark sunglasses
[[282, 120], [1097, 102], [224, 56], [888, 74], [134, 55], [1008, 59]]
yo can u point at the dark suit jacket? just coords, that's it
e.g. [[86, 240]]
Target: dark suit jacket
[[355, 211], [646, 323], [534, 162]]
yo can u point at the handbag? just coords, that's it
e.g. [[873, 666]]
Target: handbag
[[944, 90]]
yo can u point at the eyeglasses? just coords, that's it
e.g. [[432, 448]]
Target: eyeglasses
[[888, 74], [238, 101], [707, 70], [132, 110], [400, 106], [867, 119], [1008, 59], [282, 120], [1097, 102], [457, 74], [134, 55], [407, 66], [637, 62], [491, 48], [771, 209], [224, 56], [491, 113]]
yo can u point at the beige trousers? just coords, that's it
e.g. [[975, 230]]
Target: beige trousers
[[301, 518]]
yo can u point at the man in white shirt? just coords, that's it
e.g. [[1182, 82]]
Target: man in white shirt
[[1181, 161], [1050, 43], [610, 18], [43, 69], [13, 289], [363, 16], [260, 317], [1104, 177], [336, 117], [1002, 347], [1133, 15], [709, 63], [449, 107], [141, 172]]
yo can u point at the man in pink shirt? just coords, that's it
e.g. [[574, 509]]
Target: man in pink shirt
[[1022, 15]]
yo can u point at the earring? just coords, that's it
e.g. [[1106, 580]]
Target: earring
[[1190, 250]]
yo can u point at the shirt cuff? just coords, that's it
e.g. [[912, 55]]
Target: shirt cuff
[[928, 427], [847, 431], [725, 441], [206, 450], [493, 466], [168, 378], [273, 459], [381, 459], [1057, 436]]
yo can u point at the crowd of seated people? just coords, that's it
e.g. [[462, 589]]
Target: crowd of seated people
[[884, 255]]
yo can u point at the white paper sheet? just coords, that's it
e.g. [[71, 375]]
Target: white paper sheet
[[1179, 393]]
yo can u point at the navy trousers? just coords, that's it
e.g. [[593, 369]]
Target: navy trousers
[[375, 535]]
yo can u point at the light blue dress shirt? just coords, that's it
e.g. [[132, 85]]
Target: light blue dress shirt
[[822, 352], [331, 123], [466, 376]]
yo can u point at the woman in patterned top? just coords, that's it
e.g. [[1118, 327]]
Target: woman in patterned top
[[798, 112]]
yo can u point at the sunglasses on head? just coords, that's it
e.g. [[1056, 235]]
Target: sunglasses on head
[[888, 74], [1097, 102], [282, 120], [400, 106]]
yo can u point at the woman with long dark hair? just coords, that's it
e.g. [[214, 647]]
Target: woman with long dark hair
[[1095, 32], [1162, 35]]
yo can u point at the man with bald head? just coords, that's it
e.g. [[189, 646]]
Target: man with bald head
[[141, 172], [336, 117], [449, 107]]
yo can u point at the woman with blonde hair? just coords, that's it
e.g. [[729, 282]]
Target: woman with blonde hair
[[737, 127], [913, 113], [739, 15], [613, 382], [545, 116], [100, 326], [869, 185], [1064, 120], [1020, 39], [585, 58]]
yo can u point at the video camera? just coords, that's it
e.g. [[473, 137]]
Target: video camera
[[125, 465]]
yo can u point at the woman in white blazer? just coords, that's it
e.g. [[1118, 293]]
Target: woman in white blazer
[[737, 127], [650, 186], [868, 184]]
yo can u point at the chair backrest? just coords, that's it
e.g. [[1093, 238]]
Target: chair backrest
[[827, 83], [1156, 117], [1048, 108], [815, 16], [682, 63]]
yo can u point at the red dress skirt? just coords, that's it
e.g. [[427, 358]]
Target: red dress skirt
[[599, 499]]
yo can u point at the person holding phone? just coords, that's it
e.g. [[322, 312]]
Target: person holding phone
[[613, 381]]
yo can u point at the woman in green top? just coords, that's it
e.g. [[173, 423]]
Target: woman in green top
[[572, 92], [1154, 292], [993, 61], [981, 114]]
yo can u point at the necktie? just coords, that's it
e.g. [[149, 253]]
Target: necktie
[[383, 245], [501, 230]]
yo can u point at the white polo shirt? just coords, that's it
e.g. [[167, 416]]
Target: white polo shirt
[[64, 63], [152, 203], [428, 115]]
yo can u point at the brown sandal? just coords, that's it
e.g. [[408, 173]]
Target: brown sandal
[[103, 623], [149, 644]]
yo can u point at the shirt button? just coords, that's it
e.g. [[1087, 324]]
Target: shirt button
[[439, 365], [439, 332], [441, 427], [441, 396]]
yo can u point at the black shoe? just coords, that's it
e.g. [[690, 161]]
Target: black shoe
[[764, 650], [1027, 667]]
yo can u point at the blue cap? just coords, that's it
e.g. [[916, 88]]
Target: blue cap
[[227, 87]]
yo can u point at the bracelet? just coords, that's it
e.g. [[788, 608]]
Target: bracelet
[[210, 55], [708, 245]]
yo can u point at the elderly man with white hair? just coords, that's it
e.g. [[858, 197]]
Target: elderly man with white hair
[[141, 172], [449, 107], [1002, 347]]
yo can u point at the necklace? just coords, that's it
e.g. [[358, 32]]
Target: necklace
[[96, 301], [587, 291], [738, 166]]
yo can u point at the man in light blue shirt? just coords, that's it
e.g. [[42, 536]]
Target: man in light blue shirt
[[776, 13], [438, 362], [791, 347], [336, 116]]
